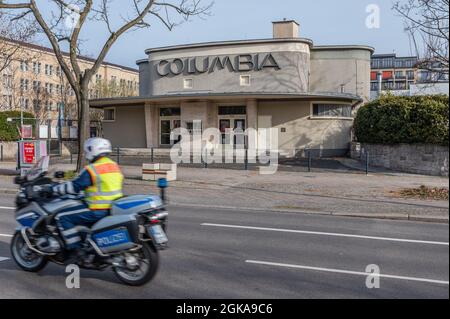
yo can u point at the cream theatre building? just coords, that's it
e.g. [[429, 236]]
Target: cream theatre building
[[307, 92]]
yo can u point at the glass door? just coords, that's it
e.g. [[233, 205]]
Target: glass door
[[224, 125], [176, 124], [166, 127], [239, 129], [165, 130]]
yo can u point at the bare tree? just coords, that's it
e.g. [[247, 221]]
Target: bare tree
[[427, 21], [70, 17], [12, 34]]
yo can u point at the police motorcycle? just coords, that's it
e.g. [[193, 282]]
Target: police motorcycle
[[127, 240]]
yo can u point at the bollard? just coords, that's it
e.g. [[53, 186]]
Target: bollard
[[309, 160], [152, 155], [118, 155], [367, 163], [246, 159], [18, 156], [162, 185], [71, 158], [1, 153], [206, 158]]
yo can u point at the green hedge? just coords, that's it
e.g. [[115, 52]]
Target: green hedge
[[399, 119], [8, 130]]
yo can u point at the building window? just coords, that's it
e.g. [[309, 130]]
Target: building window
[[7, 101], [7, 81], [169, 111], [49, 105], [37, 67], [188, 83], [245, 80], [24, 103], [399, 75], [332, 110], [109, 114], [410, 74], [24, 84], [24, 66], [48, 70], [232, 110], [37, 86]]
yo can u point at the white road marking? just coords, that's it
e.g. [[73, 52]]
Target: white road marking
[[329, 234], [349, 272], [6, 235], [8, 208], [3, 259]]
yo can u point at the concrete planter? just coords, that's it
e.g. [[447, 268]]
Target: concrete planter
[[423, 159]]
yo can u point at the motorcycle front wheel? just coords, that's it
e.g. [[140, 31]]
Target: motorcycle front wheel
[[24, 257], [148, 263]]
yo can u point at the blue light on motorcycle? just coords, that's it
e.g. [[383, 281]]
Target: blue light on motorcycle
[[162, 183]]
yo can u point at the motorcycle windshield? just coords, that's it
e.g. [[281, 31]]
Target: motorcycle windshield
[[38, 169]]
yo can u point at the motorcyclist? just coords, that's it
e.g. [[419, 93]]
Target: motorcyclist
[[101, 182]]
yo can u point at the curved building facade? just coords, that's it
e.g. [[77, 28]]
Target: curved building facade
[[307, 92]]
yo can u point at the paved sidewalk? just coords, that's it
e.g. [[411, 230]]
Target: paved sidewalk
[[347, 194]]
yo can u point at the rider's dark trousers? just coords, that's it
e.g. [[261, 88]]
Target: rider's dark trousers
[[70, 220]]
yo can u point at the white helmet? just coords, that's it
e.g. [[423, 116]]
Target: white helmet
[[96, 146]]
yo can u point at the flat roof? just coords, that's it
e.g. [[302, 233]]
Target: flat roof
[[343, 47], [228, 43], [50, 50], [137, 100], [257, 41], [392, 55]]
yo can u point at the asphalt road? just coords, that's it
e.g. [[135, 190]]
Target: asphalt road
[[239, 254]]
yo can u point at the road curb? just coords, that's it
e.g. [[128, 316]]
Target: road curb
[[404, 217], [8, 191]]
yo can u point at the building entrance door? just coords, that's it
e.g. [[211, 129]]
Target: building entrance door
[[239, 127], [166, 127]]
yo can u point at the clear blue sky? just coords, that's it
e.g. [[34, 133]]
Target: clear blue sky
[[323, 21]]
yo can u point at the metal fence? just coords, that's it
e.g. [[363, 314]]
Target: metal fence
[[307, 161]]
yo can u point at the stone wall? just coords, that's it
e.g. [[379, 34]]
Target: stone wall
[[423, 159], [10, 149]]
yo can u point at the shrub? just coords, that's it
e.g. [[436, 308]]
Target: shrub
[[404, 119], [8, 130]]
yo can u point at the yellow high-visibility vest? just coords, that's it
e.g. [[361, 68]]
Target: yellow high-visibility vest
[[107, 181]]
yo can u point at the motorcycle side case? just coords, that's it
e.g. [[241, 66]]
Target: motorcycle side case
[[116, 233], [135, 204]]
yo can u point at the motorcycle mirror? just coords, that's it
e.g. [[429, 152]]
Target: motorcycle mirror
[[59, 174], [18, 180]]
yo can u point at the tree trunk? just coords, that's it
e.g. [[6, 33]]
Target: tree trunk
[[83, 125]]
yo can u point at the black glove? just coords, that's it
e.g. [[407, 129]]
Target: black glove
[[46, 191]]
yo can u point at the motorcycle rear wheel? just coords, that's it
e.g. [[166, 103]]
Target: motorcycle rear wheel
[[148, 267], [24, 257]]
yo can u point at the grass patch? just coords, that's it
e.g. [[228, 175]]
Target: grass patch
[[425, 192]]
